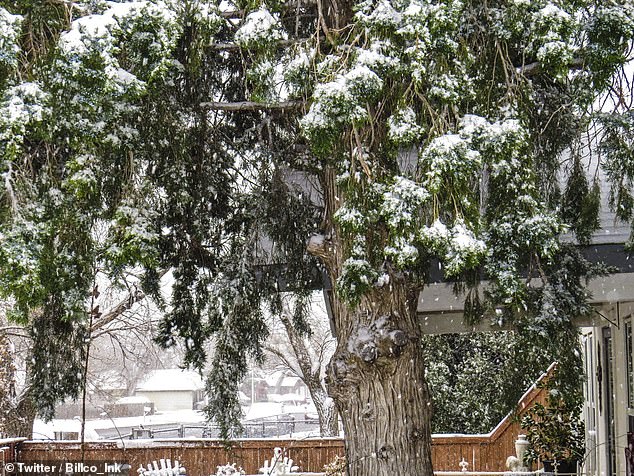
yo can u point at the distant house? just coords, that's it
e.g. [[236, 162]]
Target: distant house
[[130, 407], [172, 389], [284, 382], [255, 386]]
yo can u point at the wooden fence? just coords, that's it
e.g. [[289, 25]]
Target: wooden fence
[[9, 449], [201, 456], [486, 452]]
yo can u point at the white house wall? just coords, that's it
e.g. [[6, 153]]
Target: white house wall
[[590, 408], [169, 401], [622, 424]]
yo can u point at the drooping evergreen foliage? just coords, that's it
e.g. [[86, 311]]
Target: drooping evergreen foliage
[[398, 131]]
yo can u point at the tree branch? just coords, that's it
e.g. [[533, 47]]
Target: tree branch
[[251, 106], [124, 305], [535, 68], [284, 358], [230, 46], [12, 328]]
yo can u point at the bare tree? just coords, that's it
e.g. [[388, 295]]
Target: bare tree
[[121, 338], [17, 410], [307, 356]]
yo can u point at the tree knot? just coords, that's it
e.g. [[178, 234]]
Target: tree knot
[[383, 453], [379, 339]]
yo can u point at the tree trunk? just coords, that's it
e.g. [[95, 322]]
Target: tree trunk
[[19, 424], [327, 412], [17, 411], [377, 374], [7, 383], [377, 380]]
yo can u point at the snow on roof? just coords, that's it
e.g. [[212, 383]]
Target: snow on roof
[[166, 380], [43, 430], [134, 399], [274, 378], [46, 431], [289, 381]]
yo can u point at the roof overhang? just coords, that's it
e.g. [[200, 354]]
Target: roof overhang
[[441, 309]]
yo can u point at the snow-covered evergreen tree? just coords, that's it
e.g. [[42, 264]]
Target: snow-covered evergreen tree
[[244, 145]]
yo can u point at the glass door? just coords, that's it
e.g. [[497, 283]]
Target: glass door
[[608, 400], [629, 358], [590, 410]]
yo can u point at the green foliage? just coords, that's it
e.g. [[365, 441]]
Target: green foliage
[[477, 379], [473, 381], [555, 430], [581, 204], [432, 131], [618, 146], [609, 35], [9, 43]]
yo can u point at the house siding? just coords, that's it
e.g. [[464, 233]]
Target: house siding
[[169, 400]]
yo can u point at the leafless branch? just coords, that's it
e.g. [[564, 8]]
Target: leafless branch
[[124, 305], [284, 358]]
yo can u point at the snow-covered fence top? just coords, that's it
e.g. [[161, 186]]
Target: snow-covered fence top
[[8, 449], [201, 456]]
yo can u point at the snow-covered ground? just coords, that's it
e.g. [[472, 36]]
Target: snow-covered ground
[[261, 410], [42, 430], [96, 429]]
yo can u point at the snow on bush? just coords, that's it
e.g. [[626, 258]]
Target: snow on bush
[[229, 470], [402, 127], [381, 15], [402, 202], [21, 106], [457, 247], [9, 37], [341, 102], [145, 31], [380, 57], [260, 28], [447, 158]]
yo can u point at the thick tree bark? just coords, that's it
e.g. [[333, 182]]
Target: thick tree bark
[[19, 423], [377, 374], [377, 380]]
